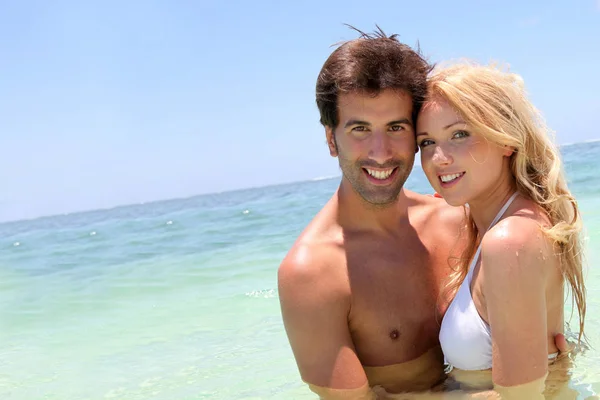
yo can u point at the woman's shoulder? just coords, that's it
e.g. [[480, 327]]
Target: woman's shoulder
[[516, 246], [521, 228]]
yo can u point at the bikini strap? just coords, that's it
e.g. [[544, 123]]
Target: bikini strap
[[503, 210], [494, 221]]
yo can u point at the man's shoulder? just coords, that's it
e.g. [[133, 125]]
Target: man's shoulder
[[434, 210], [310, 259], [312, 277], [316, 256], [306, 257], [428, 201]]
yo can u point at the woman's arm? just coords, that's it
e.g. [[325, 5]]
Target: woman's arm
[[514, 255]]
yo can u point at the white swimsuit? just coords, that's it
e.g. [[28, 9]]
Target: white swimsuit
[[465, 337]]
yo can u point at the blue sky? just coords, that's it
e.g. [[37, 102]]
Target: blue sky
[[104, 103]]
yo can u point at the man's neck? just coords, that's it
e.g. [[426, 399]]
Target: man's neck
[[355, 213]]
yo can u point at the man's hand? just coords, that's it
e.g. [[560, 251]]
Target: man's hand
[[564, 347]]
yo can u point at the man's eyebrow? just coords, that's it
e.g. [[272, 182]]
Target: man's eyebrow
[[403, 121], [460, 121], [356, 122]]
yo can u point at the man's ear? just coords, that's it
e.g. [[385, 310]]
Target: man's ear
[[329, 133]]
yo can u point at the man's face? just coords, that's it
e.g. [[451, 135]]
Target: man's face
[[375, 143]]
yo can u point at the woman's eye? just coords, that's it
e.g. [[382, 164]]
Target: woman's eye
[[460, 134]]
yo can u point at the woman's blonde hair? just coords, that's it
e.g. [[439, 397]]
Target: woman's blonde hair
[[494, 103]]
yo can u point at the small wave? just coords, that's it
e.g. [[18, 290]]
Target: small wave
[[267, 294], [323, 178], [582, 142]]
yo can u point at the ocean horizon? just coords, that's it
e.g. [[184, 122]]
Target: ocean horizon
[[318, 178]]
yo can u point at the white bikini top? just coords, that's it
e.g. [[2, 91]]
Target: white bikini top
[[465, 337]]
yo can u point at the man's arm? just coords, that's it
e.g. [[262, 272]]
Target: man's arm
[[315, 302]]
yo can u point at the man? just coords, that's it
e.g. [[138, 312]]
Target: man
[[360, 288]]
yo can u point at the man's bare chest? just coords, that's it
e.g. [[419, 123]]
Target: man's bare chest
[[394, 313]]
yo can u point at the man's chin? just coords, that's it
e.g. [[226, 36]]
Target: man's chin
[[381, 201]]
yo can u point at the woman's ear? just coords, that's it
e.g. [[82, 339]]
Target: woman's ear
[[509, 150]]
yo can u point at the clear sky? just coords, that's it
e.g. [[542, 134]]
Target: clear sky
[[104, 103]]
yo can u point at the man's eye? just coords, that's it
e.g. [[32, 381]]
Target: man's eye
[[359, 129], [397, 128]]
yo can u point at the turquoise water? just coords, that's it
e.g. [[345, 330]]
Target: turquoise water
[[178, 299]]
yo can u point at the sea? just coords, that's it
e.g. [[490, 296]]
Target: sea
[[178, 299]]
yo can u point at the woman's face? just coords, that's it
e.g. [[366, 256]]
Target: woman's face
[[459, 163]]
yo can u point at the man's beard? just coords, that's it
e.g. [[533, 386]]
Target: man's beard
[[378, 196]]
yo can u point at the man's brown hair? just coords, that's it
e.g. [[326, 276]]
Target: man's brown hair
[[370, 64]]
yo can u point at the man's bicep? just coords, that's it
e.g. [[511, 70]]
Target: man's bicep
[[323, 349], [315, 316]]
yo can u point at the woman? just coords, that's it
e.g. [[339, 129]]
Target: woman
[[484, 146]]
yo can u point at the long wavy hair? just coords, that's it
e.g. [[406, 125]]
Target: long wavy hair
[[494, 102]]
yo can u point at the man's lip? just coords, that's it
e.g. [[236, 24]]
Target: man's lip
[[390, 170], [379, 168], [386, 181]]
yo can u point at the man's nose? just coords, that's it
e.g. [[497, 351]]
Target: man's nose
[[381, 148]]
